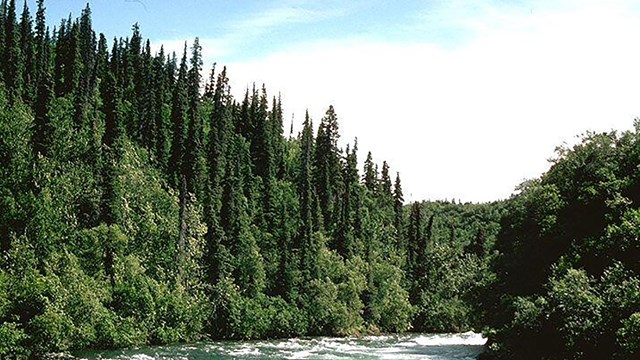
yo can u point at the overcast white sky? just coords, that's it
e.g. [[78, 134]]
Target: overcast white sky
[[465, 99]]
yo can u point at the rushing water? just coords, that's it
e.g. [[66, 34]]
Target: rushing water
[[412, 346]]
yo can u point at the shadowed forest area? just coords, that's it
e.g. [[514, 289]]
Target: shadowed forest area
[[141, 203]]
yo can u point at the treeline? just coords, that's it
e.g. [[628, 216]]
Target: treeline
[[142, 203], [568, 270]]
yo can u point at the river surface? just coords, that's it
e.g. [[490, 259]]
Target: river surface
[[465, 346]]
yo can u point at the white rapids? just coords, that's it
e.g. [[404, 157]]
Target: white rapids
[[464, 346]]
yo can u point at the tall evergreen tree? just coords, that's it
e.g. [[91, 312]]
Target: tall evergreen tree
[[261, 153], [27, 52], [306, 195], [40, 44], [348, 222], [11, 57], [370, 176], [71, 58], [398, 203], [414, 236], [42, 134], [193, 166], [248, 269], [385, 181], [327, 175], [160, 83], [85, 65], [178, 120]]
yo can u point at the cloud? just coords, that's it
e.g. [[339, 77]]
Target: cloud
[[269, 19], [238, 33], [474, 120]]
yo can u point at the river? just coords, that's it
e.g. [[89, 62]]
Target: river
[[466, 346]]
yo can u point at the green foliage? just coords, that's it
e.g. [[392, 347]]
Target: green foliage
[[629, 337], [136, 210], [391, 300], [569, 244], [576, 311], [12, 337]]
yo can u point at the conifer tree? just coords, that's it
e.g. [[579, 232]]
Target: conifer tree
[[276, 127], [193, 166], [220, 128], [347, 227], [178, 120], [327, 166], [260, 137], [219, 247], [370, 176], [248, 269], [40, 44], [58, 67], [385, 181], [398, 203], [160, 83], [85, 65], [27, 52], [11, 58], [71, 58], [306, 195], [414, 236], [101, 64], [42, 128], [148, 105]]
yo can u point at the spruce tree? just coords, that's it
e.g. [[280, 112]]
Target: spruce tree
[[160, 83], [85, 65], [306, 196], [193, 166], [248, 269], [40, 44], [11, 57], [178, 120], [149, 107], [42, 134], [71, 58], [348, 222], [327, 174], [370, 176], [260, 137], [27, 52], [385, 181], [58, 67], [398, 203], [414, 236]]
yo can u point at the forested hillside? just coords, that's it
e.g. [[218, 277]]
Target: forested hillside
[[140, 202]]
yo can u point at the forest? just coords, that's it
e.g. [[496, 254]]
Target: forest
[[141, 203]]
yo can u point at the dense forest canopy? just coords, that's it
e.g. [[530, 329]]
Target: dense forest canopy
[[141, 203]]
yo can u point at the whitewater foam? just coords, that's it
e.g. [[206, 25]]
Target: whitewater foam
[[468, 338]]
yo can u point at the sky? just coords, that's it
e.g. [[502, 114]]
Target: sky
[[465, 99]]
